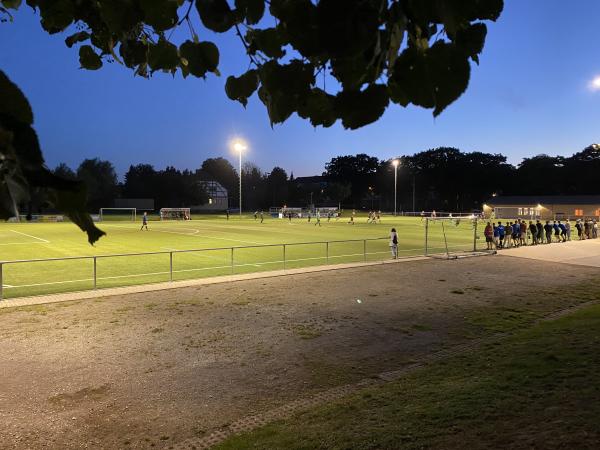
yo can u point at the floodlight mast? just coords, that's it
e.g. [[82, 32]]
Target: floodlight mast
[[395, 163], [239, 146]]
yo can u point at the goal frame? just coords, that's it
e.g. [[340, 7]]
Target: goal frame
[[186, 212], [133, 212]]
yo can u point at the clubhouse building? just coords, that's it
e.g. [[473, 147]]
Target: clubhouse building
[[548, 207]]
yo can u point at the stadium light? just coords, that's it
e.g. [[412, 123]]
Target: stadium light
[[595, 84], [240, 146], [395, 163]]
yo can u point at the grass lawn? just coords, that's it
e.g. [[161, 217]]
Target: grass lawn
[[215, 235], [537, 389]]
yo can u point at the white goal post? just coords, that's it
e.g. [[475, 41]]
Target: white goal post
[[105, 213], [175, 214]]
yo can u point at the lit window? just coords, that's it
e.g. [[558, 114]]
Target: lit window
[[520, 212], [579, 212]]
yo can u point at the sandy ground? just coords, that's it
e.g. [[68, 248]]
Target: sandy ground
[[153, 369], [584, 253]]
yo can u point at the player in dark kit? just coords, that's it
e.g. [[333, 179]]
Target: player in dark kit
[[144, 221]]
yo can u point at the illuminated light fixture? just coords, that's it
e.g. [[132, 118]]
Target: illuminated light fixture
[[395, 163], [595, 83], [239, 146]]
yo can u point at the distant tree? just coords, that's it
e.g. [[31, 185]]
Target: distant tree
[[141, 182], [64, 171], [253, 186], [581, 171], [338, 192], [358, 170], [277, 187], [223, 172], [100, 178], [539, 175]]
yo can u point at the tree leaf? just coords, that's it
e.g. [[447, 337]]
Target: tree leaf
[[201, 57], [359, 108], [160, 14], [14, 103], [432, 79], [89, 59], [11, 4], [133, 52], [163, 56], [268, 41], [472, 39], [252, 10], [280, 106], [216, 15], [241, 88], [56, 14], [319, 107], [77, 37]]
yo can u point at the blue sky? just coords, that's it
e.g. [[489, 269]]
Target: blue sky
[[529, 95]]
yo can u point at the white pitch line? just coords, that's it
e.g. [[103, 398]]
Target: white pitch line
[[194, 234], [22, 243], [34, 237]]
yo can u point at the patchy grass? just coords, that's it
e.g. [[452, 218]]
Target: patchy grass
[[537, 389], [307, 331]]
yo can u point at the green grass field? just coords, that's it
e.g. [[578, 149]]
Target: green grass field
[[215, 236]]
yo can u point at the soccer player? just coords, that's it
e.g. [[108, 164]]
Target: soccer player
[[540, 231], [556, 229], [568, 227], [394, 243], [533, 231], [351, 222], [489, 235], [548, 230], [227, 213], [144, 221], [318, 218], [262, 218], [563, 231], [255, 215], [507, 235], [496, 235], [501, 233]]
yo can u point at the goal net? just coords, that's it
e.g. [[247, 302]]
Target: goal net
[[453, 237], [117, 214], [175, 214]]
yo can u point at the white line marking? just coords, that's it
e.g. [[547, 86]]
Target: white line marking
[[22, 243], [7, 285], [28, 235]]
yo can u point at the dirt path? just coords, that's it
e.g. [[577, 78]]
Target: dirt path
[[149, 370]]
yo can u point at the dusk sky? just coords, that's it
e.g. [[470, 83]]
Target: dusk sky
[[531, 94]]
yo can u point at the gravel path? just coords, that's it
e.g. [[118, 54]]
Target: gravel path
[[159, 368]]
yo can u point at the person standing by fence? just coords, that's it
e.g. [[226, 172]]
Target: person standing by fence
[[394, 243]]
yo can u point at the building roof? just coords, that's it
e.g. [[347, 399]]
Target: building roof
[[527, 200], [308, 180]]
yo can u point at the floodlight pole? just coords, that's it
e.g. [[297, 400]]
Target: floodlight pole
[[240, 151], [395, 163]]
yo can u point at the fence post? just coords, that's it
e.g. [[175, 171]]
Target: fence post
[[426, 233], [231, 260], [171, 266], [284, 264], [95, 272], [1, 281], [365, 249], [327, 252]]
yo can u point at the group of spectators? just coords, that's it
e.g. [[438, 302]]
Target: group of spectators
[[515, 234]]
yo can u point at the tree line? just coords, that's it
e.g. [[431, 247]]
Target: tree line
[[443, 178]]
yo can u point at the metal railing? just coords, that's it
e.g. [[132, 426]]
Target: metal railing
[[325, 255]]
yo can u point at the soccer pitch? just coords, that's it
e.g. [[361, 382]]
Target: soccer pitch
[[256, 247]]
